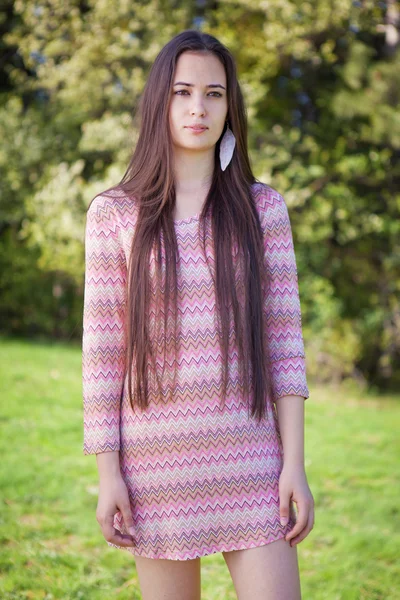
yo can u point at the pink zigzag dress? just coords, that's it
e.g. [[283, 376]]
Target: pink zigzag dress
[[201, 479]]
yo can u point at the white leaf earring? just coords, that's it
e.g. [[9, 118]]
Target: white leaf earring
[[226, 147]]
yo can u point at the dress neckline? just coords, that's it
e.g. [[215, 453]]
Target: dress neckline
[[191, 219]]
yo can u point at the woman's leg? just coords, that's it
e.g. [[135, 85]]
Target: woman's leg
[[163, 579], [268, 572]]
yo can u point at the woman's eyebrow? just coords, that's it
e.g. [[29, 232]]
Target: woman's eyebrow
[[210, 85]]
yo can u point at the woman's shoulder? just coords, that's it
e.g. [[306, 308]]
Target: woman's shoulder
[[269, 202], [113, 204]]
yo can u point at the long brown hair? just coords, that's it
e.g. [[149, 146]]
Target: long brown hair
[[229, 219]]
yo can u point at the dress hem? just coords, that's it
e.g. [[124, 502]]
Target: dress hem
[[201, 553]]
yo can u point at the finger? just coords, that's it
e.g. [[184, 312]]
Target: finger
[[302, 519], [306, 530], [107, 527], [284, 508], [111, 534], [120, 539], [128, 519]]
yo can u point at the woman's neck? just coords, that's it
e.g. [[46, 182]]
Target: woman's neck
[[193, 175], [193, 172]]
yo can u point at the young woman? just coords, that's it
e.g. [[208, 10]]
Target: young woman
[[194, 374]]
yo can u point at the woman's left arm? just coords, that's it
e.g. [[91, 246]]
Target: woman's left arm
[[290, 410], [293, 483], [286, 357]]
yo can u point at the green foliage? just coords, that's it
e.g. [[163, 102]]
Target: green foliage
[[322, 88], [322, 92]]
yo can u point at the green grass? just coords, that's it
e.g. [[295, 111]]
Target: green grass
[[51, 546]]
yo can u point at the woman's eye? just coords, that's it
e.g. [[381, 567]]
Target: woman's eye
[[185, 91]]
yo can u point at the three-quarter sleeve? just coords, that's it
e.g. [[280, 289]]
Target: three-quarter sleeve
[[282, 301], [103, 341]]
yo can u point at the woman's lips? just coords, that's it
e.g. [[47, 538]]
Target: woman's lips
[[197, 129]]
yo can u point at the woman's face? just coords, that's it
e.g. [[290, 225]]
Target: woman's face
[[194, 103]]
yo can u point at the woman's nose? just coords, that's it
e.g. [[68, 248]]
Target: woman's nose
[[197, 106]]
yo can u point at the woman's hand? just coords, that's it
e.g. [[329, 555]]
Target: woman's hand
[[113, 496], [293, 485]]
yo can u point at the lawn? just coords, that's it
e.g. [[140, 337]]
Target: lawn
[[51, 546]]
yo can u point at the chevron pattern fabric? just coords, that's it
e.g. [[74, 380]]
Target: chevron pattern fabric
[[201, 478]]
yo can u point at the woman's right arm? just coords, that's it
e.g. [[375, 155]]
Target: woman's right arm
[[103, 341], [113, 496], [103, 361], [108, 464]]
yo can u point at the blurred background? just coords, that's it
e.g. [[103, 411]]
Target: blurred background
[[321, 81]]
